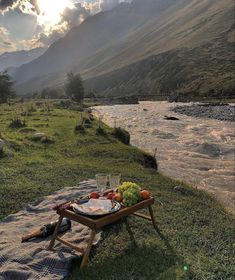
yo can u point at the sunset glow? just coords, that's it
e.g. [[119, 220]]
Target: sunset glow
[[51, 10]]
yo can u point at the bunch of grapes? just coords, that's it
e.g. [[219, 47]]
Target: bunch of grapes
[[131, 196], [127, 186]]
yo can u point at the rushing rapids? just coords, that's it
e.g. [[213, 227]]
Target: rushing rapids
[[199, 151]]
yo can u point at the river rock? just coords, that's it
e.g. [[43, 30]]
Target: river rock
[[208, 149], [170, 118]]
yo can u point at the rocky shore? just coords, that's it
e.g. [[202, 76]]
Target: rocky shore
[[219, 112]]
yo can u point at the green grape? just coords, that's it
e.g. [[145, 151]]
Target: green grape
[[126, 186], [131, 197]]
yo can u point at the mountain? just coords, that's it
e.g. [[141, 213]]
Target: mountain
[[17, 58], [144, 48]]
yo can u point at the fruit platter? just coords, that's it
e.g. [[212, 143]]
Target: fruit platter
[[128, 194], [97, 204]]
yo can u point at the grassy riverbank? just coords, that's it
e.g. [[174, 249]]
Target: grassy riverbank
[[196, 233]]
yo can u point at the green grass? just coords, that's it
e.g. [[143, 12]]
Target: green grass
[[196, 234]]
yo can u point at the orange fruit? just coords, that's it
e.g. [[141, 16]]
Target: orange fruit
[[145, 194], [117, 197]]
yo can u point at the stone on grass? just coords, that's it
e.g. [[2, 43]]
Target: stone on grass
[[39, 136]]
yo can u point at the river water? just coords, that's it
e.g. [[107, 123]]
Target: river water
[[198, 151]]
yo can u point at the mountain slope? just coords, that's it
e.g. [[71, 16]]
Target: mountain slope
[[110, 42], [17, 58], [182, 74]]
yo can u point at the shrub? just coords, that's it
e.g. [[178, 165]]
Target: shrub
[[64, 104], [100, 131], [47, 140], [122, 135], [17, 146], [6, 87], [17, 122], [74, 87], [80, 128], [149, 161], [88, 123], [2, 154]]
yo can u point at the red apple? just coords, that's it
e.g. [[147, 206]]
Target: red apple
[[94, 195], [110, 195]]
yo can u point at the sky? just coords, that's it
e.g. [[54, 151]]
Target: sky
[[27, 24]]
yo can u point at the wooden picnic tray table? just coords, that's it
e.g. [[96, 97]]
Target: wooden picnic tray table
[[98, 222]]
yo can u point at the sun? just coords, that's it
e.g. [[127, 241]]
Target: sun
[[51, 10]]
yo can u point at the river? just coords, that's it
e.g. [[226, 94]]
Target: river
[[198, 151]]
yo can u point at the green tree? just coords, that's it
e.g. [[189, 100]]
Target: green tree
[[74, 87], [6, 87]]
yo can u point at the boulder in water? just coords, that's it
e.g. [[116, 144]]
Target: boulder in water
[[169, 118], [208, 149]]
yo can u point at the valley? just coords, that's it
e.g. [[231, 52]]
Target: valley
[[169, 48]]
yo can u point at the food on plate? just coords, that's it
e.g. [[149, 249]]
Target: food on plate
[[117, 197], [94, 195], [97, 207], [145, 194]]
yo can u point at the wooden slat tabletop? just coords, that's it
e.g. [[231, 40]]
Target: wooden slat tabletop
[[99, 222]]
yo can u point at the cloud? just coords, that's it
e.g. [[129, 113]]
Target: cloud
[[5, 43], [74, 16], [108, 4], [6, 4], [53, 35], [20, 27], [27, 6]]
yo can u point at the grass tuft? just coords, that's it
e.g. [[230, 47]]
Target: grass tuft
[[122, 135]]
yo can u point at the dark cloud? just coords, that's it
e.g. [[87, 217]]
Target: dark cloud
[[51, 38], [4, 4], [7, 43], [75, 16]]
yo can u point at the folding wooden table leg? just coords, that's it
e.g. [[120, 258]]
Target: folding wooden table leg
[[152, 216], [51, 245], [88, 249], [128, 228]]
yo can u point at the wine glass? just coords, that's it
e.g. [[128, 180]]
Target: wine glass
[[101, 181], [114, 181]]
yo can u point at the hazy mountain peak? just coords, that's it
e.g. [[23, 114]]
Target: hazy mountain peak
[[17, 58], [131, 34]]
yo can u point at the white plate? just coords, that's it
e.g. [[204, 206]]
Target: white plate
[[96, 207]]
